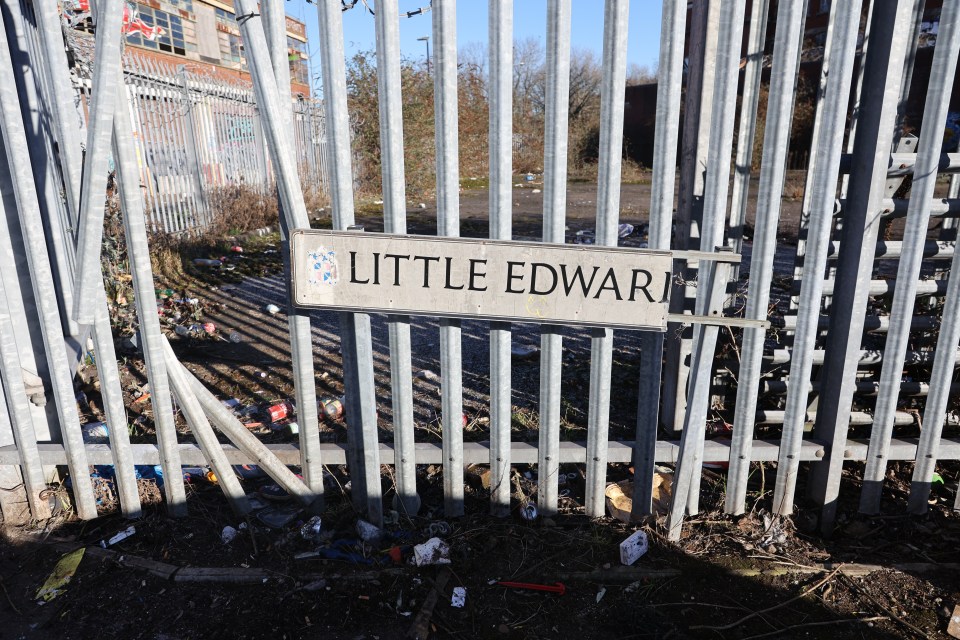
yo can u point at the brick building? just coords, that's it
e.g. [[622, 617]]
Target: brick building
[[201, 34]]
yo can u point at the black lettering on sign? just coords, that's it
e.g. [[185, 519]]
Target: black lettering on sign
[[353, 270], [447, 284], [634, 286], [577, 275], [534, 267], [612, 278], [474, 274], [376, 268], [666, 287], [426, 268], [396, 265], [511, 277]]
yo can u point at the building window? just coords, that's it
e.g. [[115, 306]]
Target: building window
[[185, 5], [171, 40], [226, 18], [297, 55]]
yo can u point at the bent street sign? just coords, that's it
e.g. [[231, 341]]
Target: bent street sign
[[481, 279]]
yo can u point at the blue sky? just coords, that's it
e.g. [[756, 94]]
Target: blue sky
[[529, 22]]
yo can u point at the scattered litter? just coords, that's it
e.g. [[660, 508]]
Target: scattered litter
[[439, 529], [95, 432], [235, 337], [619, 496], [279, 411], [633, 548], [316, 585], [529, 177], [369, 532], [123, 535], [459, 598], [273, 492], [529, 512], [433, 551], [624, 230], [329, 408], [293, 428], [774, 533], [278, 517], [204, 262], [601, 593], [60, 576], [556, 587], [272, 309], [954, 627], [248, 471], [535, 191], [236, 249], [311, 529], [585, 236], [209, 327], [228, 534], [422, 205], [426, 374]]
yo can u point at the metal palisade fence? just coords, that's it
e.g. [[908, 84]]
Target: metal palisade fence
[[845, 343], [195, 132]]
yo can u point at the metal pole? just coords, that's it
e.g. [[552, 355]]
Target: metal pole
[[501, 218], [554, 221], [612, 86], [836, 95], [752, 72], [301, 339], [41, 277], [138, 254], [15, 403], [776, 144], [943, 68], [106, 71], [704, 29], [239, 435], [666, 134], [882, 76], [690, 456], [814, 157], [54, 206], [204, 434], [190, 145], [395, 221], [354, 328], [716, 186], [448, 224]]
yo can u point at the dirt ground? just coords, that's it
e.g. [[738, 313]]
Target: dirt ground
[[753, 576]]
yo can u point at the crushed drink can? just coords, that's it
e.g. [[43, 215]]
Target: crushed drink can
[[329, 408], [279, 411]]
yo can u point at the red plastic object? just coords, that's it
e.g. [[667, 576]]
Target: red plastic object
[[552, 588], [396, 554]]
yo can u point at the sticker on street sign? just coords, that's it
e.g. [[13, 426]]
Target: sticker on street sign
[[481, 279]]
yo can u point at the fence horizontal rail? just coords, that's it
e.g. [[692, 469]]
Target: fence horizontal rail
[[479, 452]]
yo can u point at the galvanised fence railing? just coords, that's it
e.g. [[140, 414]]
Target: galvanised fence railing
[[195, 132], [852, 330]]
